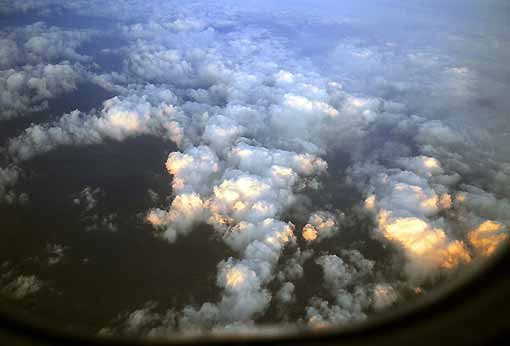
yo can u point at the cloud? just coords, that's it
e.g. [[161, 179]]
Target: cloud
[[219, 183], [146, 321], [422, 165], [88, 197], [88, 200], [8, 178], [286, 293], [487, 237], [349, 281], [292, 268], [51, 43], [101, 222], [38, 63], [56, 253], [321, 225], [22, 286], [186, 211], [9, 53], [28, 89], [243, 280], [338, 274], [120, 118], [256, 111], [193, 170], [9, 7], [385, 295], [483, 204], [37, 43], [406, 208], [322, 314]]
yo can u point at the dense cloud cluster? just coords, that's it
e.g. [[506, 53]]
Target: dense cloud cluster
[[257, 124], [120, 118], [38, 63], [21, 286]]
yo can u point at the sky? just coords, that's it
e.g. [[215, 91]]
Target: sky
[[212, 167]]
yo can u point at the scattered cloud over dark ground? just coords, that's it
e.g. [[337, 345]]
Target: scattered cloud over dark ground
[[220, 167]]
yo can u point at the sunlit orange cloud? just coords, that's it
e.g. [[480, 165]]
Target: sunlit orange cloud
[[423, 242], [220, 220], [384, 296], [370, 202], [235, 277], [309, 233], [321, 222], [176, 163], [446, 201], [244, 153], [413, 233], [155, 219], [460, 197], [327, 109], [320, 225], [239, 206], [247, 187], [282, 236], [317, 322], [488, 237], [430, 203], [186, 204], [455, 254], [126, 120], [357, 102], [183, 206], [431, 163], [309, 164]]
